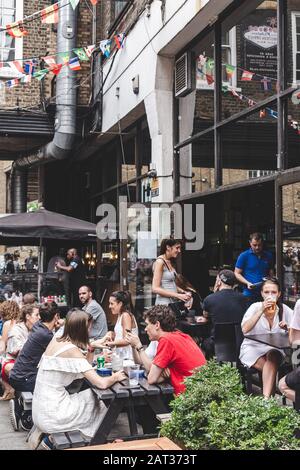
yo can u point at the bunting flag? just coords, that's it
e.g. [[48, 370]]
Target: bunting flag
[[49, 60], [16, 29], [89, 50], [229, 71], [56, 68], [74, 64], [94, 2], [251, 102], [105, 47], [272, 113], [40, 74], [262, 113], [65, 57], [16, 67], [296, 97], [29, 67], [26, 79], [74, 3], [209, 78], [12, 83], [266, 84], [1, 65], [81, 54], [50, 14], [119, 40], [246, 76]]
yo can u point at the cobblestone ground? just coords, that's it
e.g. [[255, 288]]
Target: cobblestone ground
[[12, 440]]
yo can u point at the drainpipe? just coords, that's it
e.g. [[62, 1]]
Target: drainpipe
[[18, 195], [65, 118]]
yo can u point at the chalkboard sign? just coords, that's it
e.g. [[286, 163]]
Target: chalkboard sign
[[259, 43]]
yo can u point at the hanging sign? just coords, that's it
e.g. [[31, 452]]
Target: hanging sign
[[154, 187]]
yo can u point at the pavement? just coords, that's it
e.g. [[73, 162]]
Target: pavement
[[16, 440]]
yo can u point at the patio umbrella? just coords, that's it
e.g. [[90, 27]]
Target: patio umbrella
[[43, 224]]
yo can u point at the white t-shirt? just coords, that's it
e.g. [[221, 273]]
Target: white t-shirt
[[151, 350], [253, 350], [295, 322]]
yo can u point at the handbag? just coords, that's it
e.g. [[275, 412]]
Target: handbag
[[179, 309]]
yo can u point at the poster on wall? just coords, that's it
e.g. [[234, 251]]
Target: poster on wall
[[258, 33]]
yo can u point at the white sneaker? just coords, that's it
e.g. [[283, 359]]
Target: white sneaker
[[14, 418]]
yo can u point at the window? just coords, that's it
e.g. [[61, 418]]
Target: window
[[10, 48], [296, 46], [228, 57], [259, 173], [119, 5]]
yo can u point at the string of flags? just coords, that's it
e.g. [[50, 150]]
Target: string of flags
[[48, 15], [205, 67], [27, 69]]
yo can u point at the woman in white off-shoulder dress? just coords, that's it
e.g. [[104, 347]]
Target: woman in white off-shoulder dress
[[53, 408]]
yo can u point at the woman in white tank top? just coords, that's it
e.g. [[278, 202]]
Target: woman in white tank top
[[120, 305]]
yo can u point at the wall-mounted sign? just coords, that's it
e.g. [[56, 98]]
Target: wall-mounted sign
[[258, 39], [154, 187]]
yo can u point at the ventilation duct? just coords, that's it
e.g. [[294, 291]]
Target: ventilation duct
[[185, 75]]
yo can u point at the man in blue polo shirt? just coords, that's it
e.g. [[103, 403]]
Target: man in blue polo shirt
[[252, 266]]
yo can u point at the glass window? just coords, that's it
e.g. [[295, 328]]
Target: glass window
[[293, 129], [119, 5], [255, 69], [291, 242], [10, 48], [296, 45]]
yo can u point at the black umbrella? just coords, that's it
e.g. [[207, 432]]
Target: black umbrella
[[45, 224]]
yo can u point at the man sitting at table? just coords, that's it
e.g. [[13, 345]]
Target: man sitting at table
[[99, 325], [289, 384], [225, 305], [176, 350]]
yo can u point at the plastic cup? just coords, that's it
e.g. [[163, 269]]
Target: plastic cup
[[133, 374], [272, 309]]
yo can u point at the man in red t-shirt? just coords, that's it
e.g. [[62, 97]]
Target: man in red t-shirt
[[176, 351]]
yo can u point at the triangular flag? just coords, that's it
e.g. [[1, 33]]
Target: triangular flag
[[56, 68], [65, 57], [40, 74], [74, 3], [50, 14], [12, 83], [16, 67], [26, 79], [209, 79], [262, 113], [74, 64], [94, 2], [49, 60], [246, 76], [89, 50], [251, 102], [81, 54], [1, 65], [16, 29], [28, 67], [105, 47], [229, 71], [266, 84], [119, 39]]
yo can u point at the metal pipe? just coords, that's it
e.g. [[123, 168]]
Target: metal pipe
[[18, 190], [65, 118]]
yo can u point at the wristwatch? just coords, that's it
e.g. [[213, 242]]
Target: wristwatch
[[140, 348]]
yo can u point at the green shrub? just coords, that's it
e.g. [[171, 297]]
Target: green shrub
[[252, 423], [214, 413], [191, 410]]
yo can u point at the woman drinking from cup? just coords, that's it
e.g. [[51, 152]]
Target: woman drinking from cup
[[269, 316]]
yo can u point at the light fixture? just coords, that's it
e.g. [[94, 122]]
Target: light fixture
[[136, 84]]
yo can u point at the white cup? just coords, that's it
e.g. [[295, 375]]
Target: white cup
[[133, 374]]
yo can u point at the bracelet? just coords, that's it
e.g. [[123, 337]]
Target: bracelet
[[139, 349]]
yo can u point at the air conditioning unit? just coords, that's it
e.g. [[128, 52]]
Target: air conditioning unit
[[185, 74]]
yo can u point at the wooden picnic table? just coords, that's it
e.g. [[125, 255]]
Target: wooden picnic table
[[121, 397]]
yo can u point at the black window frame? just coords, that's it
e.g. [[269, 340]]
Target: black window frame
[[280, 98]]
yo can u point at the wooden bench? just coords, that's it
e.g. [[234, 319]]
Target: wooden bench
[[157, 444]]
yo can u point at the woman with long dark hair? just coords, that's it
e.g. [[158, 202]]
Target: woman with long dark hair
[[269, 316], [164, 274]]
